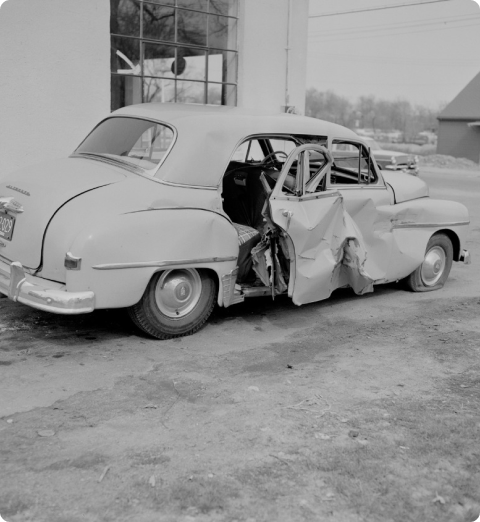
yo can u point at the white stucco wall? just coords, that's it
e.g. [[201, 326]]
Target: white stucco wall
[[54, 77], [55, 70], [263, 29]]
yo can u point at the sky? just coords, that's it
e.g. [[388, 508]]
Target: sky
[[425, 54]]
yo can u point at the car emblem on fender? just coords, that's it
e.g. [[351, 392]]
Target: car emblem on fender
[[10, 204], [24, 192]]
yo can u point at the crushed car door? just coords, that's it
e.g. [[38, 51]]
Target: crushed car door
[[328, 248], [364, 192]]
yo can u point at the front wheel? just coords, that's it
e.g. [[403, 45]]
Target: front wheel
[[175, 303], [434, 271]]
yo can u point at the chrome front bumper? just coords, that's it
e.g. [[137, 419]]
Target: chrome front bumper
[[413, 171], [41, 293]]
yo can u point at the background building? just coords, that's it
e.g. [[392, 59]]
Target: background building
[[66, 64], [459, 130]]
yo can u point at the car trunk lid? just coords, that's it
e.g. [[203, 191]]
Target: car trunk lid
[[41, 190]]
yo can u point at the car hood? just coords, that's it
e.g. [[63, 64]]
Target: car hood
[[404, 186], [41, 190]]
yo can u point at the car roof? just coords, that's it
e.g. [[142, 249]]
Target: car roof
[[207, 136]]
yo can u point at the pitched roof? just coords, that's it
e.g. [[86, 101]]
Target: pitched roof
[[466, 105]]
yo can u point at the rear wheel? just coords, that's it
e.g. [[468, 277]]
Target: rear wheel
[[434, 271], [175, 303]]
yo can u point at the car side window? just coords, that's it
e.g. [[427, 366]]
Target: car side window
[[249, 151], [282, 147], [352, 164], [306, 171]]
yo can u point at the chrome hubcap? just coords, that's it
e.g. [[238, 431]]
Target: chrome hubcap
[[433, 266], [177, 292]]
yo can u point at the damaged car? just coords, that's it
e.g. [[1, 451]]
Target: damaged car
[[168, 210]]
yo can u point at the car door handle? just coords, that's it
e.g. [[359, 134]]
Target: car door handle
[[288, 214]]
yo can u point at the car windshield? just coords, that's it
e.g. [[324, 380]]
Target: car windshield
[[140, 143], [373, 144]]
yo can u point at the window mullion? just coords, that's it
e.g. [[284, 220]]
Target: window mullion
[[175, 38], [142, 50]]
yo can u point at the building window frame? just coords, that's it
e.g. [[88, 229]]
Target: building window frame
[[228, 83]]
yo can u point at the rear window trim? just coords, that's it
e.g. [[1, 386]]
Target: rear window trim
[[149, 174]]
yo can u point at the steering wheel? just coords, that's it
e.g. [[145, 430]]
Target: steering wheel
[[269, 156]]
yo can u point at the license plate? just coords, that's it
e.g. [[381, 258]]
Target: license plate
[[7, 223]]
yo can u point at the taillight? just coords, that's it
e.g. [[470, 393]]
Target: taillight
[[72, 262]]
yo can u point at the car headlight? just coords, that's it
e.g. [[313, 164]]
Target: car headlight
[[393, 161]]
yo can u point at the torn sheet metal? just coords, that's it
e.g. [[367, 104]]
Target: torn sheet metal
[[268, 267]]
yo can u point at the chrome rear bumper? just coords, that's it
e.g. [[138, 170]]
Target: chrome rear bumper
[[41, 293]]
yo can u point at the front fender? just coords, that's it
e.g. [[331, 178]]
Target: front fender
[[414, 222], [120, 255]]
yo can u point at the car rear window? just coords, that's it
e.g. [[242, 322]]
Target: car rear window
[[139, 142]]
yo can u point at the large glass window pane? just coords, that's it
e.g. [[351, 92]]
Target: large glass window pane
[[125, 17], [222, 32], [158, 60], [158, 90], [214, 94], [224, 7], [191, 27], [126, 90], [222, 66], [190, 92], [125, 55], [158, 22], [191, 64], [199, 5]]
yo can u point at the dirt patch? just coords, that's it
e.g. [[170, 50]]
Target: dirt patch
[[348, 420]]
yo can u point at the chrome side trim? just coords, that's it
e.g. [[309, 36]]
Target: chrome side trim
[[339, 186], [429, 225], [306, 197], [182, 185], [161, 264]]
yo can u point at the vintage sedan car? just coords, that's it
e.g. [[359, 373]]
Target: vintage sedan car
[[168, 210], [392, 159]]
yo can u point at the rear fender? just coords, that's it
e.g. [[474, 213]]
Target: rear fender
[[121, 254]]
